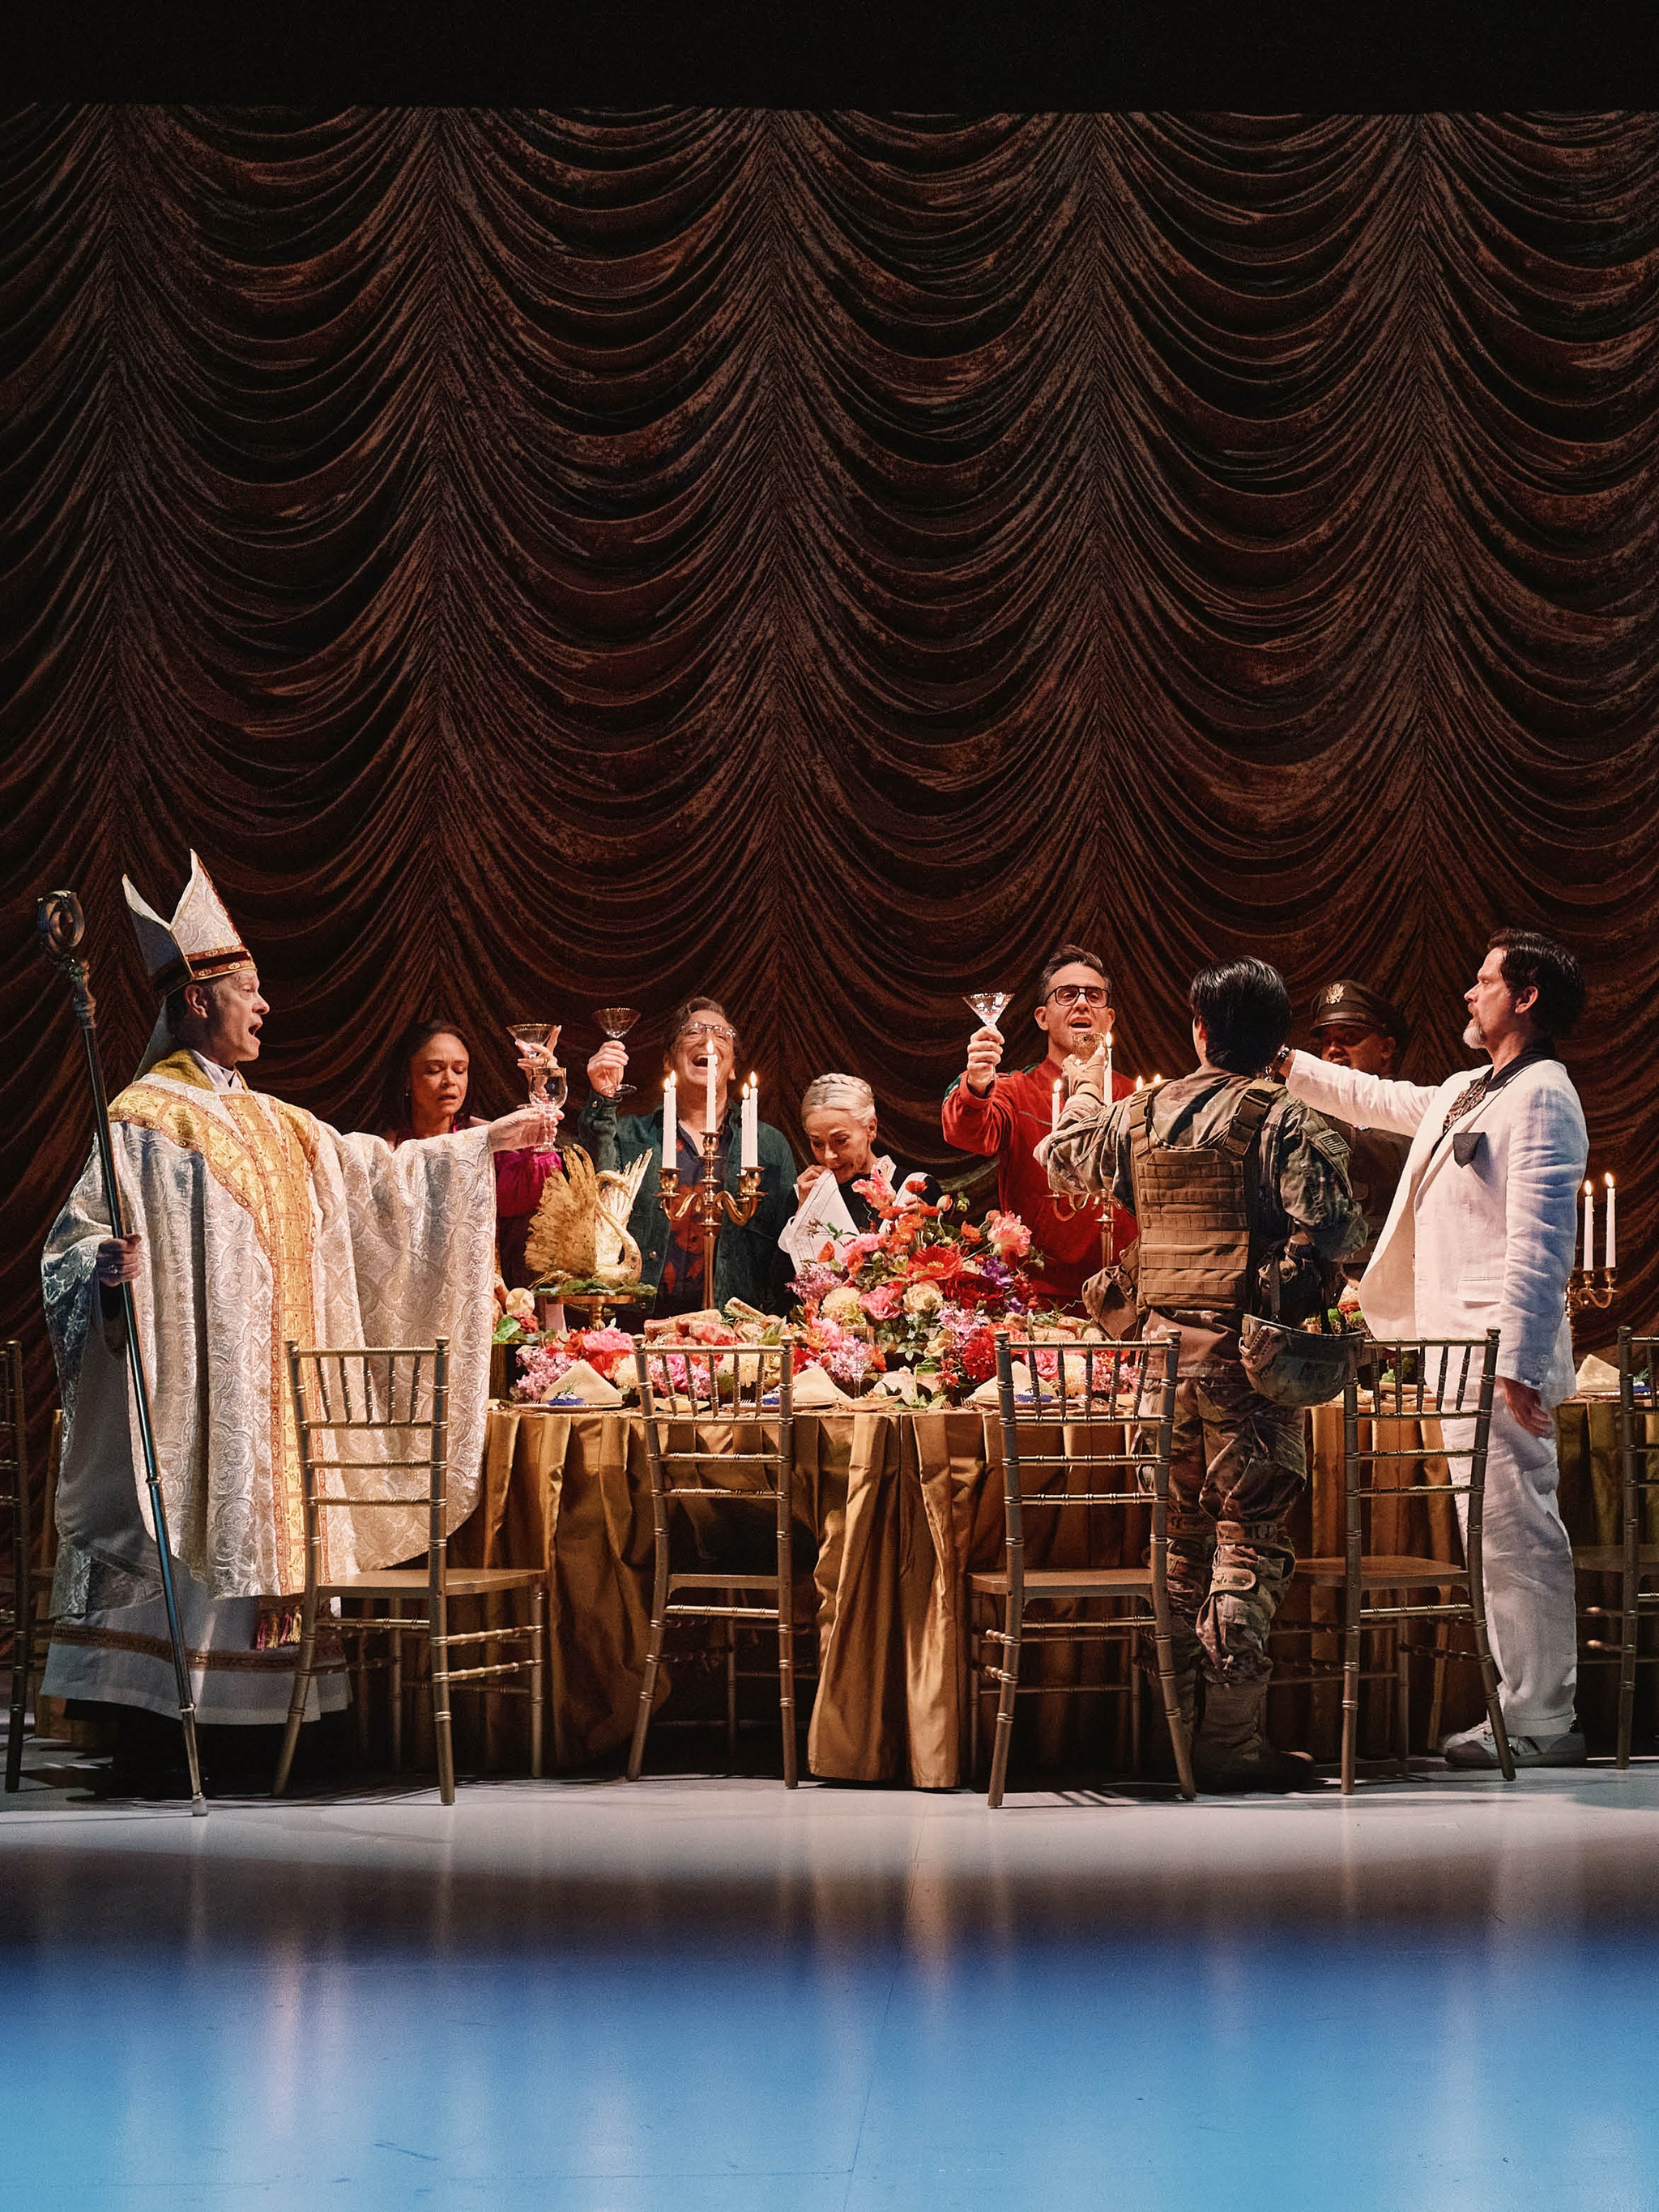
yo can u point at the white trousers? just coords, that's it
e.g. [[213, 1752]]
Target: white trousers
[[1531, 1604]]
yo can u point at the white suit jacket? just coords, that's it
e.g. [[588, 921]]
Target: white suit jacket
[[1468, 1249]]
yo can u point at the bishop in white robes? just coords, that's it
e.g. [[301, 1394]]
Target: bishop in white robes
[[253, 1223]]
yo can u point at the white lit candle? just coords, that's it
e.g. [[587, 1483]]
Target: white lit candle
[[1137, 1082], [1612, 1245], [751, 1156], [708, 1122], [1053, 1104], [1589, 1227], [1108, 1067], [671, 1120]]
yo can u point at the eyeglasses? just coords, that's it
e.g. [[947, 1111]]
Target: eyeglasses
[[1068, 994], [710, 1029]]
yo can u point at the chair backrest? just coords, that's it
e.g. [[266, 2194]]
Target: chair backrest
[[1639, 1413], [1427, 1421], [749, 1385], [374, 1429], [15, 1478], [1446, 1382], [1105, 1408]]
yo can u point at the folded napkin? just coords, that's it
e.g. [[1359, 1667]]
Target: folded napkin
[[987, 1395], [1596, 1379], [897, 1383], [587, 1385], [813, 1391]]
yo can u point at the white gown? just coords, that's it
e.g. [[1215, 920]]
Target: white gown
[[259, 1224]]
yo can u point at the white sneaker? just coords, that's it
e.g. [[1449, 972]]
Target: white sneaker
[[1477, 1748]]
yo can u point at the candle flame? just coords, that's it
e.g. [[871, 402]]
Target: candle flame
[[1589, 1187], [1609, 1180]]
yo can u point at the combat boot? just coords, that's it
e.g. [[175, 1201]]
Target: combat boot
[[1231, 1755]]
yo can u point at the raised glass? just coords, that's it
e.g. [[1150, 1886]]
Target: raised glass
[[988, 1005], [548, 1087], [614, 1022]]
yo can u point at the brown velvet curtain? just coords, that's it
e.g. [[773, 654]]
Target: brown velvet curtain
[[544, 560]]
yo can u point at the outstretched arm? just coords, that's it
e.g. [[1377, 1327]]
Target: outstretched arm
[[1370, 1102]]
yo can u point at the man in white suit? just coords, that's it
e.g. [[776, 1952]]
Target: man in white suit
[[1481, 1235]]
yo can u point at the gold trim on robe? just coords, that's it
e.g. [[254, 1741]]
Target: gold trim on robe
[[262, 1152]]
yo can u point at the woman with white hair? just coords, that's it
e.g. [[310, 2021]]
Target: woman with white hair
[[838, 1114]]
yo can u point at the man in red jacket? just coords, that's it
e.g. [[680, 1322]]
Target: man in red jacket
[[1004, 1116]]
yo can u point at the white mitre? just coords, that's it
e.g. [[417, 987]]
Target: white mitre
[[200, 942]]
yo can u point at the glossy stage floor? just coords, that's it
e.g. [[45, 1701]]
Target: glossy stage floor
[[696, 1994]]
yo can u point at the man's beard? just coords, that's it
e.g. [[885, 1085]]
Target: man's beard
[[1475, 1035]]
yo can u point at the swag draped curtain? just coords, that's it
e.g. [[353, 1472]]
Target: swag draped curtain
[[542, 561]]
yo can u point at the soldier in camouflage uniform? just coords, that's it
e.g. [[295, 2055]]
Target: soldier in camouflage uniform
[[1238, 1190]]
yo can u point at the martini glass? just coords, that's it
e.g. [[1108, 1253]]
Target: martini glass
[[988, 1005], [547, 1085], [616, 1022]]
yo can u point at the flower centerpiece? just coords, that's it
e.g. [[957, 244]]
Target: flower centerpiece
[[923, 1289], [545, 1361]]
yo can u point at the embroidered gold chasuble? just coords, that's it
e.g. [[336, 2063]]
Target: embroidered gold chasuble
[[259, 1224]]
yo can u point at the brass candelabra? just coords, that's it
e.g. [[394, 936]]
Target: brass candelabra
[[1591, 1289], [710, 1201]]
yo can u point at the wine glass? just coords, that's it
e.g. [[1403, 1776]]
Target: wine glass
[[548, 1087], [988, 1005], [616, 1022]]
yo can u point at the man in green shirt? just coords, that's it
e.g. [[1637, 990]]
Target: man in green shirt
[[747, 1263]]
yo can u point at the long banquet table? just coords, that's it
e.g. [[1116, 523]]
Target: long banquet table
[[893, 1506]]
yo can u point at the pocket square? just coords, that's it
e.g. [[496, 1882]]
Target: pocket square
[[1465, 1147]]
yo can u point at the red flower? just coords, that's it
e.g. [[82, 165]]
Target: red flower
[[979, 1356]]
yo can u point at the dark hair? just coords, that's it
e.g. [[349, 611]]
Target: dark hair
[[1246, 1012], [1067, 956], [1532, 961], [687, 1008], [394, 1095]]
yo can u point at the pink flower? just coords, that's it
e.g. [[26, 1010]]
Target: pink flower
[[1009, 1238], [883, 1302], [540, 1372]]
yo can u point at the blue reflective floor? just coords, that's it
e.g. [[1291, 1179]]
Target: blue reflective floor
[[695, 1994]]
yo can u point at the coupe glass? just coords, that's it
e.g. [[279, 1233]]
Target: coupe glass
[[547, 1085], [988, 1005], [616, 1022]]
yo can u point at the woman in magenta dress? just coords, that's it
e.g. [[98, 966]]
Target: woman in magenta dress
[[425, 1096]]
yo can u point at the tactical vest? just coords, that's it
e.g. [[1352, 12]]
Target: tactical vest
[[1195, 1204]]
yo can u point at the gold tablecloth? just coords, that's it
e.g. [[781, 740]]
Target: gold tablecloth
[[899, 1505]]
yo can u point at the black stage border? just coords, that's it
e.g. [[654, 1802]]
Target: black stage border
[[963, 57]]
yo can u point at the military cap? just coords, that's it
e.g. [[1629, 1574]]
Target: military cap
[[1348, 1002]]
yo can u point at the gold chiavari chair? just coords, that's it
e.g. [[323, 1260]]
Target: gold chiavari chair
[[750, 1387], [1635, 1563], [18, 1612], [1104, 1412], [368, 1412], [1429, 1400]]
